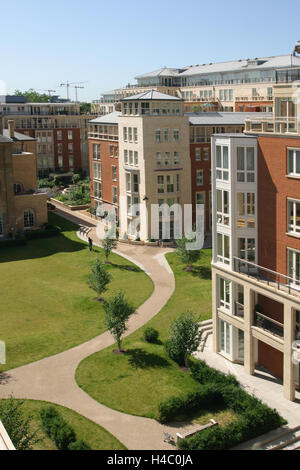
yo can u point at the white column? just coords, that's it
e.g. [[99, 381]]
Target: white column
[[249, 363], [215, 295], [288, 366]]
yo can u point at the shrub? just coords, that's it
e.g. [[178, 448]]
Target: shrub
[[57, 428], [202, 373], [49, 231], [174, 352], [79, 445], [150, 335]]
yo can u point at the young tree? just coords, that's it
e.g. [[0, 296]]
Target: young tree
[[99, 278], [18, 427], [184, 338], [108, 244], [117, 312], [187, 256]]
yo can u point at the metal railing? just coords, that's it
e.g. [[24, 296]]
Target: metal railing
[[268, 324], [277, 125], [238, 309], [267, 276], [254, 98]]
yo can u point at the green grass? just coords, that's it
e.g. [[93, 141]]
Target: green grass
[[138, 380], [46, 305], [95, 436]]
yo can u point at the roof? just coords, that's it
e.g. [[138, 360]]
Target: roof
[[235, 134], [151, 95], [257, 63], [17, 136], [223, 118], [163, 72], [111, 118], [4, 140]]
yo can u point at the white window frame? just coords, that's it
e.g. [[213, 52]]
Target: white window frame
[[294, 227]]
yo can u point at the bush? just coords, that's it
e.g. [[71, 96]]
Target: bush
[[49, 231], [206, 397], [202, 373], [150, 335], [79, 445], [174, 352], [57, 428]]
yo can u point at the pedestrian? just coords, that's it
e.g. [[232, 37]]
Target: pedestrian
[[90, 244]]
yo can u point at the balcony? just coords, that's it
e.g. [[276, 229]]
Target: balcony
[[279, 125], [268, 324], [267, 277], [254, 98]]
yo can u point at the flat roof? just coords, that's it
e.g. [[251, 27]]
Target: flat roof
[[224, 118], [111, 118], [17, 136]]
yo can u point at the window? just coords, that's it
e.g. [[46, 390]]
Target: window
[[17, 188], [246, 210], [225, 337], [167, 135], [167, 158], [114, 173], [176, 135], [198, 154], [60, 161], [136, 158], [199, 178], [136, 108], [176, 158], [145, 107], [160, 184], [126, 157], [294, 267], [222, 207], [135, 183], [98, 189], [205, 154], [245, 164], [130, 134], [130, 157], [246, 249], [114, 195], [200, 198], [28, 218], [135, 134], [97, 170], [59, 148], [70, 135], [294, 162], [71, 162], [223, 248], [224, 293], [128, 182], [170, 184], [70, 147], [157, 135], [158, 159], [96, 151], [59, 135], [130, 108], [222, 164], [294, 217], [125, 134]]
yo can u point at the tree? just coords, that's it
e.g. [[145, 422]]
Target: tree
[[117, 312], [108, 244], [76, 178], [18, 427], [33, 96], [185, 337], [85, 108], [99, 278], [187, 256]]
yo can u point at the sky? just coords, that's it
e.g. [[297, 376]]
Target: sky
[[108, 43]]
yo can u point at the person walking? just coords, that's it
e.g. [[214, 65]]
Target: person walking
[[90, 244]]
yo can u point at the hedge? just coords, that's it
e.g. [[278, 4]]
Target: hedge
[[60, 431], [218, 389], [49, 231], [10, 242]]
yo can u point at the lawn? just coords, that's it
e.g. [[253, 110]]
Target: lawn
[[138, 380], [46, 305], [95, 436]]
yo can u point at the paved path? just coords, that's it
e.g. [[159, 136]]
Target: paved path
[[53, 379]]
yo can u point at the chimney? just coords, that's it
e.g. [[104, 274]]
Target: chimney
[[11, 128]]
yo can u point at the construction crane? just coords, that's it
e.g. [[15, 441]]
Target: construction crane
[[76, 88], [68, 84]]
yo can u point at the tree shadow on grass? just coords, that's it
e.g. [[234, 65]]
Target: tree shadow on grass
[[126, 267], [139, 358], [201, 271]]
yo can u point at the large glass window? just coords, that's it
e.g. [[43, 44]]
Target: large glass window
[[245, 165], [225, 337], [294, 217], [246, 249], [28, 218], [160, 184], [199, 178], [170, 184], [294, 162], [245, 210], [223, 250], [157, 135], [294, 267], [222, 164], [224, 293], [222, 207], [96, 151]]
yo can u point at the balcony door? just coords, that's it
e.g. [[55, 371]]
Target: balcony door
[[294, 268]]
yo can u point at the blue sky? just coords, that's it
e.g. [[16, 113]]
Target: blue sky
[[108, 43]]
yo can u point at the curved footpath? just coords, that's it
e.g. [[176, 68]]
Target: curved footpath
[[53, 378]]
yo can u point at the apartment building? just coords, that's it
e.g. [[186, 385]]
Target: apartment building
[[154, 166], [104, 162], [256, 242], [22, 207], [238, 85], [60, 131]]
